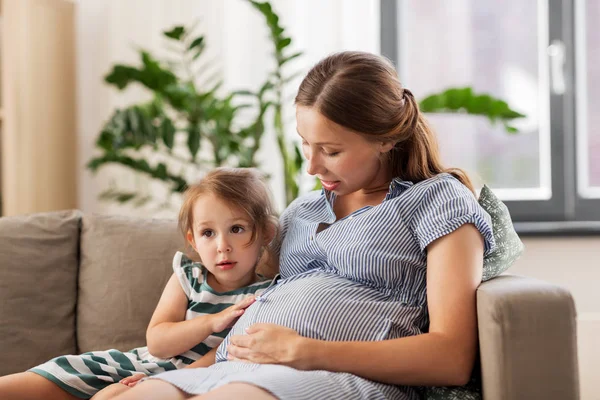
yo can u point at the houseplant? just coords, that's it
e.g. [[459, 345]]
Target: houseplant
[[190, 124]]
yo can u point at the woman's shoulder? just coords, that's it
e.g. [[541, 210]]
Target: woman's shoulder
[[424, 194], [441, 204], [444, 183]]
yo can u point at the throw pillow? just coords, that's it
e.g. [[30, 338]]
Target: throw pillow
[[508, 245]]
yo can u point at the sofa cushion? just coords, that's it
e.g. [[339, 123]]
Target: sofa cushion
[[125, 264], [38, 286], [508, 244]]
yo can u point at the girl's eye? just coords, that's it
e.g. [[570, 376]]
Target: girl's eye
[[207, 233], [237, 229], [333, 154]]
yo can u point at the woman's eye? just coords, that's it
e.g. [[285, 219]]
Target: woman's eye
[[237, 229], [207, 233], [332, 154]]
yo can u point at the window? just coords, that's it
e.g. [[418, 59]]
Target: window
[[538, 56]]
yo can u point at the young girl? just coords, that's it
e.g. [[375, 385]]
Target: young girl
[[228, 220]]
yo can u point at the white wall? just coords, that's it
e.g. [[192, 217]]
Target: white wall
[[109, 31], [574, 263]]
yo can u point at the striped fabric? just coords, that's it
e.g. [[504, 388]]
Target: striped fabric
[[84, 375], [362, 277]]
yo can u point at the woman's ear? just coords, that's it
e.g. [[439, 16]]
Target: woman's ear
[[386, 146]]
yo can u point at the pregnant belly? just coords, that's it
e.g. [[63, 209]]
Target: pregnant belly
[[325, 306]]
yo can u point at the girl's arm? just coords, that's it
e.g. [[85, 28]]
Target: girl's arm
[[169, 334], [444, 356], [206, 360]]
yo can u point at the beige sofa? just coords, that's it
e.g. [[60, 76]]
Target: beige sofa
[[71, 283]]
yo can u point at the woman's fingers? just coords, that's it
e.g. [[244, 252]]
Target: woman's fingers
[[241, 340], [240, 353], [259, 327]]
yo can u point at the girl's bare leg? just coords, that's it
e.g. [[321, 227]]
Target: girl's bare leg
[[111, 391], [234, 390], [153, 389], [30, 386]]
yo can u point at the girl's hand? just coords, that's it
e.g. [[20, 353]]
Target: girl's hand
[[270, 344], [132, 380], [226, 318]]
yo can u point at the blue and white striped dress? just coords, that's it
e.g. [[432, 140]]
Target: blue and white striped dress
[[362, 278]]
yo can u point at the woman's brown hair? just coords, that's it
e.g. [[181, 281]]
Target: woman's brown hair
[[361, 92], [241, 188]]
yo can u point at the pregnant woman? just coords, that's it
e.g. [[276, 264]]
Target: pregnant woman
[[378, 270]]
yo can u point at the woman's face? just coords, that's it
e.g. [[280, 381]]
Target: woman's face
[[343, 160]]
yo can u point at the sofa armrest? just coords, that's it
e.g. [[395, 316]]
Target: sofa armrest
[[528, 340]]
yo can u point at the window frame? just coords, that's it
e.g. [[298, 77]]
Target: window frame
[[565, 212]]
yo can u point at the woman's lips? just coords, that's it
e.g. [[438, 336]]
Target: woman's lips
[[330, 185]]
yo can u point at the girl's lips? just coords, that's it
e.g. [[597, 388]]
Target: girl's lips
[[226, 266], [330, 185]]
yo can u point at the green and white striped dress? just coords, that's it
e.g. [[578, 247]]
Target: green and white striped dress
[[84, 375]]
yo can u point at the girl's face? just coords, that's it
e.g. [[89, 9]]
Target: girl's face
[[220, 236], [343, 160]]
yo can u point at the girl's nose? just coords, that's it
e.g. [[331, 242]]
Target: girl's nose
[[224, 246]]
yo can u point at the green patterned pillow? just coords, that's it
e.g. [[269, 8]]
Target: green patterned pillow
[[471, 391], [508, 248], [508, 245]]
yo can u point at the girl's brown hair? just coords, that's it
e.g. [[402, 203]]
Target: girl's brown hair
[[242, 188], [361, 92]]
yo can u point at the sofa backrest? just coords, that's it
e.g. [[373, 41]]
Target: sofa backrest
[[71, 283], [38, 288], [124, 265]]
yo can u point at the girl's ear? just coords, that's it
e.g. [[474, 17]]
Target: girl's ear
[[190, 239], [270, 232]]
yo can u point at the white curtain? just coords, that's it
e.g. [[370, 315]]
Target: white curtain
[[109, 32]]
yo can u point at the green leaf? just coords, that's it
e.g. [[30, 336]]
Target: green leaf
[[198, 42], [167, 130], [283, 43], [122, 75], [289, 58], [457, 100], [193, 141], [106, 140], [299, 159], [176, 33], [161, 171]]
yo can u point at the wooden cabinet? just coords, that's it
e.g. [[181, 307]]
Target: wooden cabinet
[[38, 140]]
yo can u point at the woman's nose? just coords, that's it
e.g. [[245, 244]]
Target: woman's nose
[[313, 166]]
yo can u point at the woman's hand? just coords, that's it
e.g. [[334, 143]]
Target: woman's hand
[[132, 380], [226, 318], [270, 344]]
